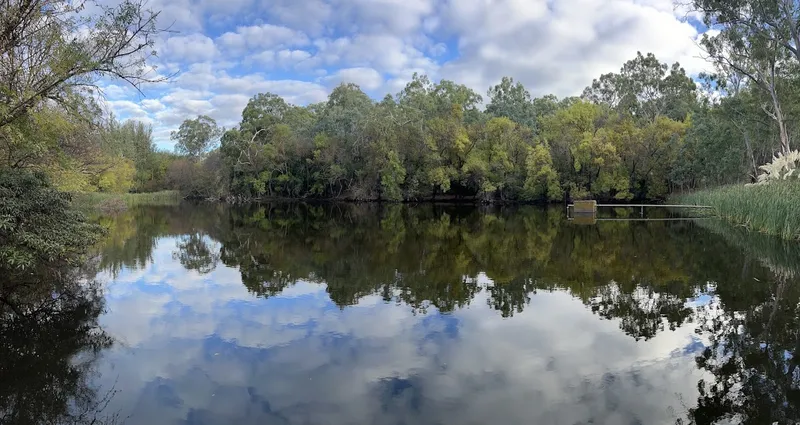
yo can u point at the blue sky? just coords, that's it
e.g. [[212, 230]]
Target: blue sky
[[223, 52]]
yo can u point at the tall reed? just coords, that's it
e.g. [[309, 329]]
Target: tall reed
[[772, 208], [89, 200]]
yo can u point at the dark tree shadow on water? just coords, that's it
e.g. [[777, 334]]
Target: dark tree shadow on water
[[50, 341]]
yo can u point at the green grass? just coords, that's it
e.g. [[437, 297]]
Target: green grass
[[772, 209], [92, 200]]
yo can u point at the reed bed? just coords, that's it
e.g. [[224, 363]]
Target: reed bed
[[116, 201], [772, 209]]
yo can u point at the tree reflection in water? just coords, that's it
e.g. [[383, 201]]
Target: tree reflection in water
[[641, 274], [49, 343], [754, 335]]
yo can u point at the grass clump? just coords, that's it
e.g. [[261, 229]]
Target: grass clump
[[771, 208], [99, 200]]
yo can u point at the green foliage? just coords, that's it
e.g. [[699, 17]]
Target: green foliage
[[770, 208], [74, 50], [541, 182], [392, 178], [639, 134], [38, 228], [196, 137], [87, 201], [432, 141], [513, 102], [645, 89], [118, 178]]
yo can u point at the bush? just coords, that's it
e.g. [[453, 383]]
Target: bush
[[198, 180], [38, 227]]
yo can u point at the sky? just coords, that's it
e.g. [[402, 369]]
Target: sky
[[222, 52]]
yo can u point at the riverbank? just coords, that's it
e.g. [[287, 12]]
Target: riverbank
[[770, 209], [114, 202]]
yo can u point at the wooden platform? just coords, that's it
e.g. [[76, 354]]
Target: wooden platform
[[585, 208]]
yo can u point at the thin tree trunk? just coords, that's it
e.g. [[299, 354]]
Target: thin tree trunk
[[785, 146], [749, 147]]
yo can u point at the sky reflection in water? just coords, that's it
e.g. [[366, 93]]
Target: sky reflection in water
[[205, 348]]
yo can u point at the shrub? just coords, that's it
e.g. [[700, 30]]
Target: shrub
[[38, 227]]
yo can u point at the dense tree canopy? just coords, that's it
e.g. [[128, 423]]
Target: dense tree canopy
[[640, 133], [195, 137]]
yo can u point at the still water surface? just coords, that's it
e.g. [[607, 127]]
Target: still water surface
[[367, 314]]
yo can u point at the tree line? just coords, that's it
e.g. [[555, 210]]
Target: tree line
[[640, 133], [439, 140]]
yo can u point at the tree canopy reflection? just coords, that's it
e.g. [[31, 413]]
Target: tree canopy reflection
[[640, 274], [49, 343]]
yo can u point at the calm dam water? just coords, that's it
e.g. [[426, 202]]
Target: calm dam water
[[393, 314]]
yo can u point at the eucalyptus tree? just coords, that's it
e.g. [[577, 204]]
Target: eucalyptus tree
[[761, 60], [776, 20], [53, 55], [341, 144], [513, 101], [196, 137], [759, 40], [645, 88]]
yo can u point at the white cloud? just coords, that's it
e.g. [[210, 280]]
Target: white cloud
[[127, 109], [115, 91], [191, 48], [310, 16], [384, 16], [152, 105], [265, 36], [283, 59], [560, 48], [385, 53], [366, 78]]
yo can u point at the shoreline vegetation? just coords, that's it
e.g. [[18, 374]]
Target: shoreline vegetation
[[640, 134], [116, 202], [771, 209]]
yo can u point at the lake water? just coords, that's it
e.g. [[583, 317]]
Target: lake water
[[431, 314]]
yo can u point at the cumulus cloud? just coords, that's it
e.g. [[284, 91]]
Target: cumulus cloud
[[152, 105], [367, 78], [283, 59], [382, 16], [265, 36], [128, 109], [386, 53], [561, 46], [189, 49]]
